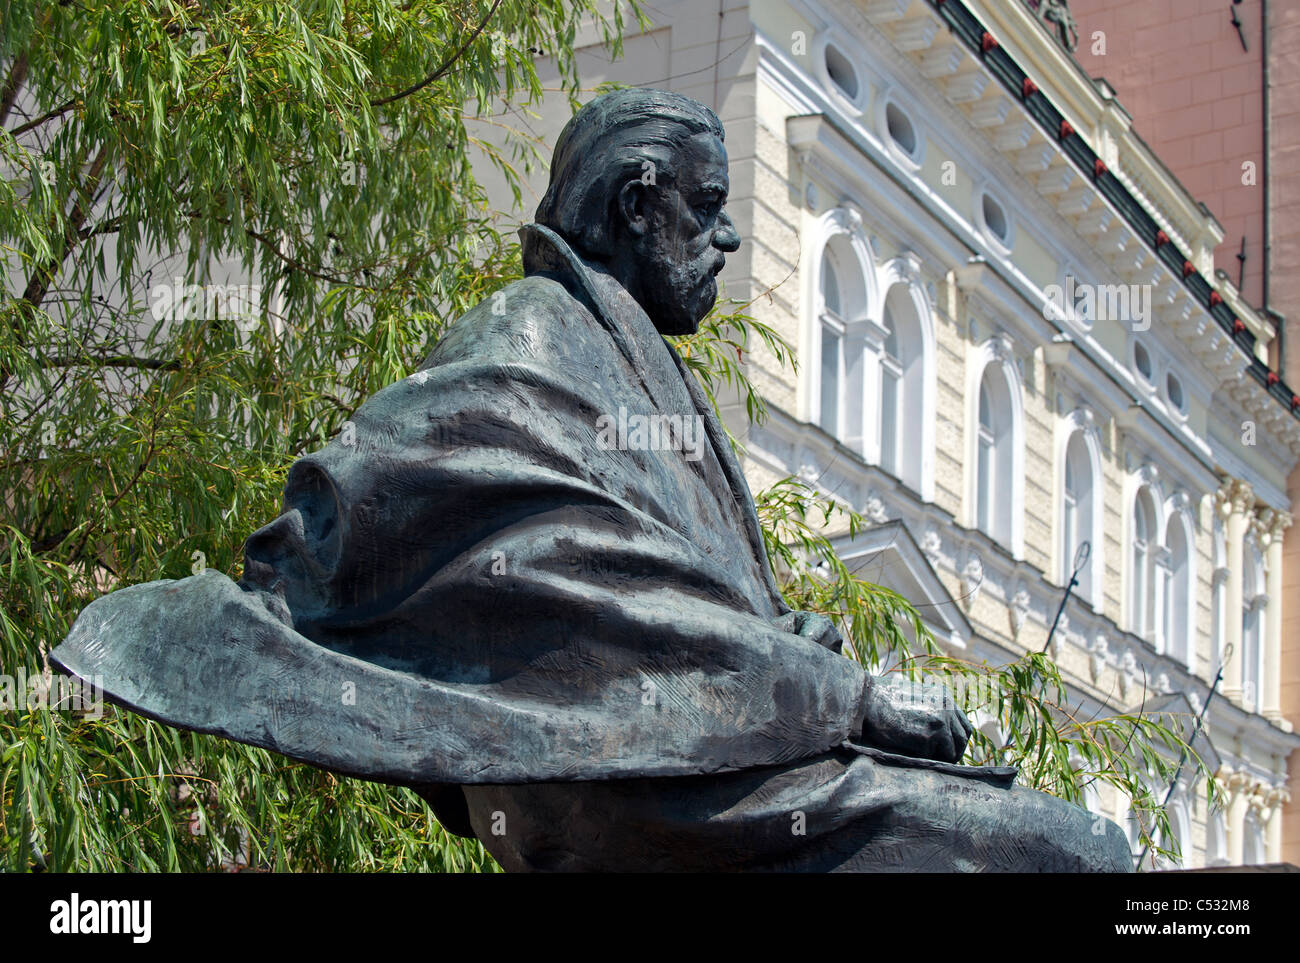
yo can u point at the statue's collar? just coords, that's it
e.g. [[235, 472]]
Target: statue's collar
[[545, 252]]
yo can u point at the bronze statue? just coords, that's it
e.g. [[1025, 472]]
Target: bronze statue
[[531, 584]]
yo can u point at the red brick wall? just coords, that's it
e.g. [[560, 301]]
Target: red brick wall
[[1196, 98], [1284, 182], [1284, 291]]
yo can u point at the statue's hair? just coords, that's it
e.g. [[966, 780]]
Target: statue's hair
[[606, 144]]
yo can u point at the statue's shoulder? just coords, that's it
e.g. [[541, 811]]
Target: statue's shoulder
[[524, 318]]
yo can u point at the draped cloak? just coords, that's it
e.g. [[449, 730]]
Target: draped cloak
[[477, 585], [495, 590]]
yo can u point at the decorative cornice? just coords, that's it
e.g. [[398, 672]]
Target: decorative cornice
[[1223, 499], [1103, 659], [846, 217]]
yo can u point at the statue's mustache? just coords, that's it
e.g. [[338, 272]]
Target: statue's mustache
[[699, 269]]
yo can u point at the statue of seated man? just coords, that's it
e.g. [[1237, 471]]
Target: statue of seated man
[[530, 583]]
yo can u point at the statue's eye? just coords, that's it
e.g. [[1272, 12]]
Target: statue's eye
[[709, 210]]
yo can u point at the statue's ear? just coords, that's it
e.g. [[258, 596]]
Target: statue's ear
[[633, 207]]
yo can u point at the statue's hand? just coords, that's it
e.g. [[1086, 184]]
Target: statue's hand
[[914, 719]]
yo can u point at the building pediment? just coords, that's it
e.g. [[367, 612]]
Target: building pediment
[[888, 555]]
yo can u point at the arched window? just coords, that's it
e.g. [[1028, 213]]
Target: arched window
[[997, 485], [1179, 834], [1253, 601], [891, 393], [1218, 598], [1136, 819], [831, 332], [1073, 478], [1254, 852], [870, 347], [1143, 573], [987, 443], [1178, 641], [1216, 841], [1080, 517], [840, 298], [1077, 511], [905, 401], [1133, 828]]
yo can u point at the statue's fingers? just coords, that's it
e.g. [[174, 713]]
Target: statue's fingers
[[943, 745], [959, 748]]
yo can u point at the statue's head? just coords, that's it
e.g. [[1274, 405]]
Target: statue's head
[[639, 181]]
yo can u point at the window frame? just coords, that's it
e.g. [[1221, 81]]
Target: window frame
[[1143, 570], [1009, 444]]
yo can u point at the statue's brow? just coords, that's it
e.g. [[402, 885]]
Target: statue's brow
[[713, 187]]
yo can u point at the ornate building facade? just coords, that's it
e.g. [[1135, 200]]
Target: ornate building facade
[[1214, 94], [1011, 341]]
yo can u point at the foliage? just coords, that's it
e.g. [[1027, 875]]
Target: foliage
[[321, 149], [708, 355]]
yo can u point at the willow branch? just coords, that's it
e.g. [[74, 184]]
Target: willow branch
[[110, 361], [39, 284], [47, 116], [14, 83], [446, 64]]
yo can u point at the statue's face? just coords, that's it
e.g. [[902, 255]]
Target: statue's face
[[685, 234]]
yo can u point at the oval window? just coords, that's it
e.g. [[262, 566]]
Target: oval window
[[1174, 387], [900, 129], [995, 218], [841, 72], [1142, 360]]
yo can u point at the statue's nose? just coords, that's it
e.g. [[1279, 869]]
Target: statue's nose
[[725, 237]]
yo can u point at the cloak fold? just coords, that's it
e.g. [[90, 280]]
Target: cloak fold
[[474, 586]]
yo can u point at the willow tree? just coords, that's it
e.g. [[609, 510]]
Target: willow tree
[[320, 151]]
